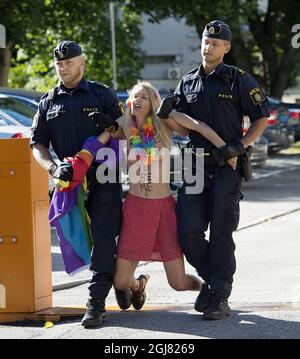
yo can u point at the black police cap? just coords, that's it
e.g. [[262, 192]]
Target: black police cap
[[217, 30], [66, 50]]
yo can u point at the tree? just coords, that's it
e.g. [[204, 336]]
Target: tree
[[261, 41], [48, 22], [16, 19]]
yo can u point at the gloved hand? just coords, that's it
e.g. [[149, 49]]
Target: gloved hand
[[104, 122], [166, 106], [231, 150], [63, 172], [217, 157]]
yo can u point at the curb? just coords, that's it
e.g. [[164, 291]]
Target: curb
[[69, 285]]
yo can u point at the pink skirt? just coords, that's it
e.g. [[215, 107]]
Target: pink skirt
[[149, 230]]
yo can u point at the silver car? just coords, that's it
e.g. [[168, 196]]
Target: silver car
[[11, 128]]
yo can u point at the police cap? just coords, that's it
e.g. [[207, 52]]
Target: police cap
[[217, 30], [66, 50]]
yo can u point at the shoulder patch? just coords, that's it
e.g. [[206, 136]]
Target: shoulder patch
[[99, 84], [256, 96], [241, 72]]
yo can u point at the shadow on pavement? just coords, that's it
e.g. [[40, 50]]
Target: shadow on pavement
[[240, 325]]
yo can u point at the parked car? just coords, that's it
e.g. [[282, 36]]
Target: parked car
[[279, 132], [15, 118], [164, 92], [294, 110], [26, 97], [19, 113], [123, 96], [11, 128], [260, 146]]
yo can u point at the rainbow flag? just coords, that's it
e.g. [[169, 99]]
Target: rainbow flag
[[67, 211], [68, 215]]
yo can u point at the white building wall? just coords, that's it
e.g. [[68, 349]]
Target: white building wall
[[170, 38]]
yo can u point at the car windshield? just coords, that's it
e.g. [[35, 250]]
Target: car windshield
[[17, 110], [26, 102]]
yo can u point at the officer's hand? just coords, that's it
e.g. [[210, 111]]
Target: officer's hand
[[166, 106], [63, 172], [231, 150], [113, 128], [118, 133], [217, 157], [104, 122]]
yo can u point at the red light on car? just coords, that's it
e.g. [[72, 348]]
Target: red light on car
[[272, 121], [295, 115], [273, 118], [17, 135]]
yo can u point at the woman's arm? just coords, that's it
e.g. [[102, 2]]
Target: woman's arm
[[176, 126], [198, 126]]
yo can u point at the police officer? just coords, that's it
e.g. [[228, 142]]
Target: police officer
[[64, 120], [220, 95]]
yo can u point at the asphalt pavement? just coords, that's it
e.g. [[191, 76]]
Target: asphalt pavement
[[265, 300]]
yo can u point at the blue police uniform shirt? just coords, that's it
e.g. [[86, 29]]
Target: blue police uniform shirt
[[220, 99], [65, 123]]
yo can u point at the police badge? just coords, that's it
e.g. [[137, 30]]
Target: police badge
[[257, 96], [211, 30]]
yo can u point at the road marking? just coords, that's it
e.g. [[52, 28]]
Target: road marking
[[266, 219], [273, 173]]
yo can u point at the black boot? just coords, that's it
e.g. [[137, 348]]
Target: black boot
[[218, 307], [123, 298], [94, 314], [203, 298]]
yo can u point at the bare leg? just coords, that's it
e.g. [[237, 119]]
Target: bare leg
[[177, 277], [124, 276]]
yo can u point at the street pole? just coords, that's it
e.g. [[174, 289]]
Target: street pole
[[113, 44]]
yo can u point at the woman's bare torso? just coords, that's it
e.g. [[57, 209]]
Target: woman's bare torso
[[151, 181]]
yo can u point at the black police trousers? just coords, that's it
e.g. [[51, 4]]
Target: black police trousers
[[104, 206], [217, 207]]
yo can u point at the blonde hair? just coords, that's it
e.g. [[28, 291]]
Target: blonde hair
[[161, 131]]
